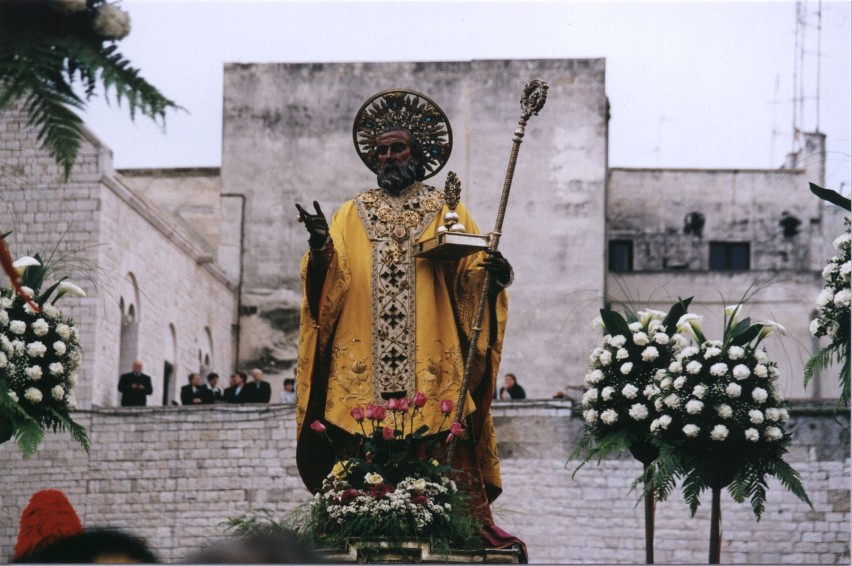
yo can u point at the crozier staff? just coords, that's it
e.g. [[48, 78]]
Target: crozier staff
[[378, 323]]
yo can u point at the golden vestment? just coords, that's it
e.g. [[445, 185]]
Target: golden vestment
[[391, 323]]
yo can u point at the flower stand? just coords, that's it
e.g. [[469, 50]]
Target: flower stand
[[413, 552]]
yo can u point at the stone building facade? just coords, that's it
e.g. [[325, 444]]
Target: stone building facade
[[154, 291]]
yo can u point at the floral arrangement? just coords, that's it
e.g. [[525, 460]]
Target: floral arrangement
[[39, 357], [833, 315], [624, 379], [393, 486], [46, 46], [721, 416]]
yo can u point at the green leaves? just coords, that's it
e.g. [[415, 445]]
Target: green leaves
[[615, 323], [831, 196]]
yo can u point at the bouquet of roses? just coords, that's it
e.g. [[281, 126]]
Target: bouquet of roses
[[393, 485], [833, 315], [626, 371], [722, 416], [39, 357]]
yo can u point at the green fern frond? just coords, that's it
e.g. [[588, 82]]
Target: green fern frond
[[820, 361], [789, 478], [76, 430], [693, 485]]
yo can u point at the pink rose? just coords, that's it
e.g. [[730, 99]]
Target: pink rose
[[358, 414], [419, 400], [393, 404], [402, 405], [447, 406], [379, 413], [456, 429], [387, 433], [317, 426]]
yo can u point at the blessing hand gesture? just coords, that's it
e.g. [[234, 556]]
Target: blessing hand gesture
[[316, 225]]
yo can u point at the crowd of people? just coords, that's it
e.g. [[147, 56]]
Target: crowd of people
[[135, 386]]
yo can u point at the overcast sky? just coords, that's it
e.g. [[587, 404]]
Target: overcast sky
[[691, 84]]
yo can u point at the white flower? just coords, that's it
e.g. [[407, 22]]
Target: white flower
[[607, 339], [593, 357], [761, 356], [679, 382], [72, 380], [691, 430], [419, 484], [618, 341], [711, 353], [594, 377], [626, 368], [622, 354], [666, 383], [18, 346], [843, 298], [814, 328], [694, 407], [828, 270], [640, 339], [687, 320], [755, 416], [689, 351], [590, 415], [3, 360], [13, 396], [33, 372], [693, 367], [33, 395], [777, 395], [699, 391], [658, 404], [655, 425], [736, 353], [50, 311], [825, 296], [40, 327], [660, 374], [680, 341], [719, 369], [759, 395], [675, 367], [661, 338], [665, 421], [845, 270], [629, 391], [770, 326], [733, 390], [59, 348], [672, 401], [635, 326], [606, 393], [638, 412], [24, 262], [597, 322], [741, 372], [650, 390], [731, 310], [590, 396], [773, 433], [724, 411], [4, 318], [609, 416], [71, 400], [36, 349], [29, 310], [752, 435], [56, 368], [719, 432], [760, 370], [112, 22], [606, 358], [783, 415], [842, 241], [650, 354], [64, 331], [18, 326], [58, 392], [373, 478], [773, 414]]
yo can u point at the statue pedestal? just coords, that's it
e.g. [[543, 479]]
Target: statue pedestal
[[414, 552]]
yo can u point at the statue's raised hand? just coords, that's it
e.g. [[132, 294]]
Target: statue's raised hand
[[316, 225]]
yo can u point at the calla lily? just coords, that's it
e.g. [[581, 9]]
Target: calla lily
[[598, 322], [24, 262], [770, 326], [71, 289]]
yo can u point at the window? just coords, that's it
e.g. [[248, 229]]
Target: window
[[730, 256], [620, 256]]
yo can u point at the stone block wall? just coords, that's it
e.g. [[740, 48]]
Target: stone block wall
[[173, 474]]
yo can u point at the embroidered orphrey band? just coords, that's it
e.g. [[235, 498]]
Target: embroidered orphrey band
[[394, 224]]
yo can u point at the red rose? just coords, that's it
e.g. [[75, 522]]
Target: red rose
[[419, 400], [358, 414], [420, 500], [317, 426], [456, 429], [349, 495], [402, 404], [447, 406], [387, 433]]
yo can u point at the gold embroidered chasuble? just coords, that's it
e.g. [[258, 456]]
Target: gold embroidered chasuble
[[390, 323]]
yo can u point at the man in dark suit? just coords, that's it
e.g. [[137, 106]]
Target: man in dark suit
[[259, 391], [213, 386], [194, 393], [135, 387], [236, 393]]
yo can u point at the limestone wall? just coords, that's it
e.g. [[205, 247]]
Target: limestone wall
[[173, 474], [287, 137]]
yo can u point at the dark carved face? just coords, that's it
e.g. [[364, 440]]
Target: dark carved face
[[397, 165]]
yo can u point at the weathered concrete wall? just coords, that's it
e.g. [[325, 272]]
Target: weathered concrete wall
[[287, 138], [124, 253], [173, 474]]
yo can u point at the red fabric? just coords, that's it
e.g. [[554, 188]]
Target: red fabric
[[48, 517], [495, 537], [12, 273]]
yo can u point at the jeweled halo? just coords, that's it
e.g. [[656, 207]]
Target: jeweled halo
[[408, 109]]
